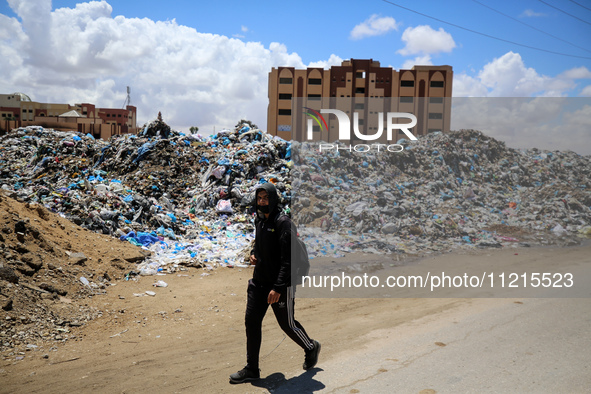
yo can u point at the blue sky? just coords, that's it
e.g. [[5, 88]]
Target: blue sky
[[317, 29], [206, 63]]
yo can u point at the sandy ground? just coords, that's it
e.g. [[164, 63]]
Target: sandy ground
[[190, 336]]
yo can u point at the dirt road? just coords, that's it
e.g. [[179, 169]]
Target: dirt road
[[190, 336]]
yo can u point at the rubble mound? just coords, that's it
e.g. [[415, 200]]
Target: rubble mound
[[443, 191], [48, 268]]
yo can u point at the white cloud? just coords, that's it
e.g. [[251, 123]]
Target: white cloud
[[424, 40], [514, 103], [576, 73], [531, 14], [467, 86], [417, 61], [508, 76], [333, 60], [550, 123], [586, 92], [374, 26], [244, 29], [83, 54]]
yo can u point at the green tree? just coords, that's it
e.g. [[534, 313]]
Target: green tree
[[193, 129]]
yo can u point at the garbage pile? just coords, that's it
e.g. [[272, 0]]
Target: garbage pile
[[188, 198], [185, 197], [445, 191], [157, 128]]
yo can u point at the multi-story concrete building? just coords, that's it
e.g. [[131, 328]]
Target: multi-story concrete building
[[360, 86], [18, 109]]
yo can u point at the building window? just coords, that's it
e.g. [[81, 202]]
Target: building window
[[436, 84], [314, 81], [284, 96], [361, 122], [435, 115], [285, 112], [406, 99], [119, 115], [435, 100], [433, 131], [314, 97], [360, 74], [285, 81], [316, 128], [407, 84], [359, 90], [359, 106]]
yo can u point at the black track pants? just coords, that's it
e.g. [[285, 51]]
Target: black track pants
[[256, 308]]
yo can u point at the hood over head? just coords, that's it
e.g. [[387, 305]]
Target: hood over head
[[273, 198]]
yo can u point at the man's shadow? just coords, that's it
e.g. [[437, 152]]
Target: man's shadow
[[304, 383]]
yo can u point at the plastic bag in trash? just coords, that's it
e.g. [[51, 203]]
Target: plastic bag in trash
[[224, 206]]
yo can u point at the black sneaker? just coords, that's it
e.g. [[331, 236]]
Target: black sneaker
[[312, 356], [244, 375]]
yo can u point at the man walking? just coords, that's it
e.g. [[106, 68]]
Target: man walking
[[271, 284]]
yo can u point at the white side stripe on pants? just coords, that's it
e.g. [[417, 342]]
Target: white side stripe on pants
[[291, 320]]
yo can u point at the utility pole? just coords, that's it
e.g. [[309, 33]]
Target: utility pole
[[128, 98]]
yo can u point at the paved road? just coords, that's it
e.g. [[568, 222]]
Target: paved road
[[486, 346]]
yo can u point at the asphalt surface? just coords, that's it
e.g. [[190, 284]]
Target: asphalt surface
[[482, 346]]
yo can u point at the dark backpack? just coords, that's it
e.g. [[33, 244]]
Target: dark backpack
[[300, 261]]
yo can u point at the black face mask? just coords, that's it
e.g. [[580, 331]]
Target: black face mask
[[264, 208]]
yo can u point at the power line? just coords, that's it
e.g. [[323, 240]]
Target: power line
[[587, 8], [556, 8], [530, 26], [487, 35]]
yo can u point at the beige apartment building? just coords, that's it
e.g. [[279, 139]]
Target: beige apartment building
[[18, 110], [362, 87]]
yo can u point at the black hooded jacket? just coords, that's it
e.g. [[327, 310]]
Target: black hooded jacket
[[272, 246]]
